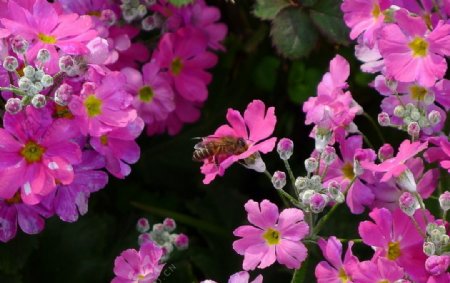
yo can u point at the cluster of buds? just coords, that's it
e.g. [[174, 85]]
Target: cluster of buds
[[162, 235], [437, 240], [133, 10]]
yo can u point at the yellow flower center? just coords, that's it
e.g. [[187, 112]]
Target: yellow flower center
[[347, 171], [15, 199], [140, 277], [93, 106], [343, 276], [393, 250], [146, 94], [272, 236], [417, 92], [384, 281], [176, 66], [48, 39], [376, 11], [104, 140], [32, 152], [62, 112], [419, 47]]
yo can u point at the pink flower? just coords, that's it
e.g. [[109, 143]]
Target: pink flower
[[378, 270], [394, 236], [71, 200], [13, 212], [343, 172], [239, 277], [138, 266], [154, 98], [394, 167], [335, 270], [120, 148], [275, 236], [102, 108], [35, 153], [332, 108], [412, 52], [437, 265], [46, 27], [254, 128], [185, 57], [364, 17], [439, 153]]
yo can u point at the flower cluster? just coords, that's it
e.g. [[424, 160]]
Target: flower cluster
[[79, 86]]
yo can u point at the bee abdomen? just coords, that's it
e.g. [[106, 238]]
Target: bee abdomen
[[201, 154]]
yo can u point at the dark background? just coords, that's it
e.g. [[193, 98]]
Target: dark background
[[166, 182]]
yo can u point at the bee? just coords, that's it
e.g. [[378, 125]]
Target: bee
[[211, 148]]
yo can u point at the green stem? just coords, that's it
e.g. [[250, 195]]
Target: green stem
[[421, 232], [14, 90], [290, 173], [352, 240], [367, 140], [422, 207], [375, 126]]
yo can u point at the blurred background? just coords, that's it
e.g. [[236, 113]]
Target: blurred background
[[167, 183]]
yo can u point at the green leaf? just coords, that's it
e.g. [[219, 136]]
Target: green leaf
[[302, 82], [265, 75], [268, 9], [293, 33], [328, 18], [299, 274], [179, 3], [307, 3]]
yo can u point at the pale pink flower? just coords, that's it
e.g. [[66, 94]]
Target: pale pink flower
[[274, 237], [377, 270]]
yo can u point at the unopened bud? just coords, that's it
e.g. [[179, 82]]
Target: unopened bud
[[408, 203], [385, 152], [88, 88], [25, 83], [43, 56], [328, 155], [66, 64], [38, 101], [429, 248], [301, 183], [29, 72], [150, 23], [317, 202], [429, 98], [144, 238], [279, 180], [444, 201], [434, 117], [63, 94], [169, 224], [322, 138], [415, 114], [305, 196], [383, 119], [414, 129], [10, 63], [430, 227], [47, 80], [108, 17], [406, 181], [181, 242], [142, 225], [311, 164], [255, 162], [335, 194], [399, 111], [285, 148], [38, 75], [316, 182], [19, 44], [141, 10], [13, 105]]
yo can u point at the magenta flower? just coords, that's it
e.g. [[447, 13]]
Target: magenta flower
[[343, 172], [275, 236], [154, 98], [255, 128], [45, 27], [335, 270], [185, 57], [394, 167], [239, 277], [35, 153], [120, 148], [364, 17], [412, 52], [394, 237], [138, 266], [71, 200], [378, 270], [13, 212], [102, 108]]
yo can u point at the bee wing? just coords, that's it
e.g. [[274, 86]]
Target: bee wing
[[199, 145]]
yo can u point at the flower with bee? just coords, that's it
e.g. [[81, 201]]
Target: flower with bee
[[243, 139]]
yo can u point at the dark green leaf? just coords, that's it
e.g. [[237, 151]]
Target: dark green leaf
[[268, 9], [265, 75], [307, 3], [293, 33], [180, 2], [302, 82], [299, 274], [327, 16]]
